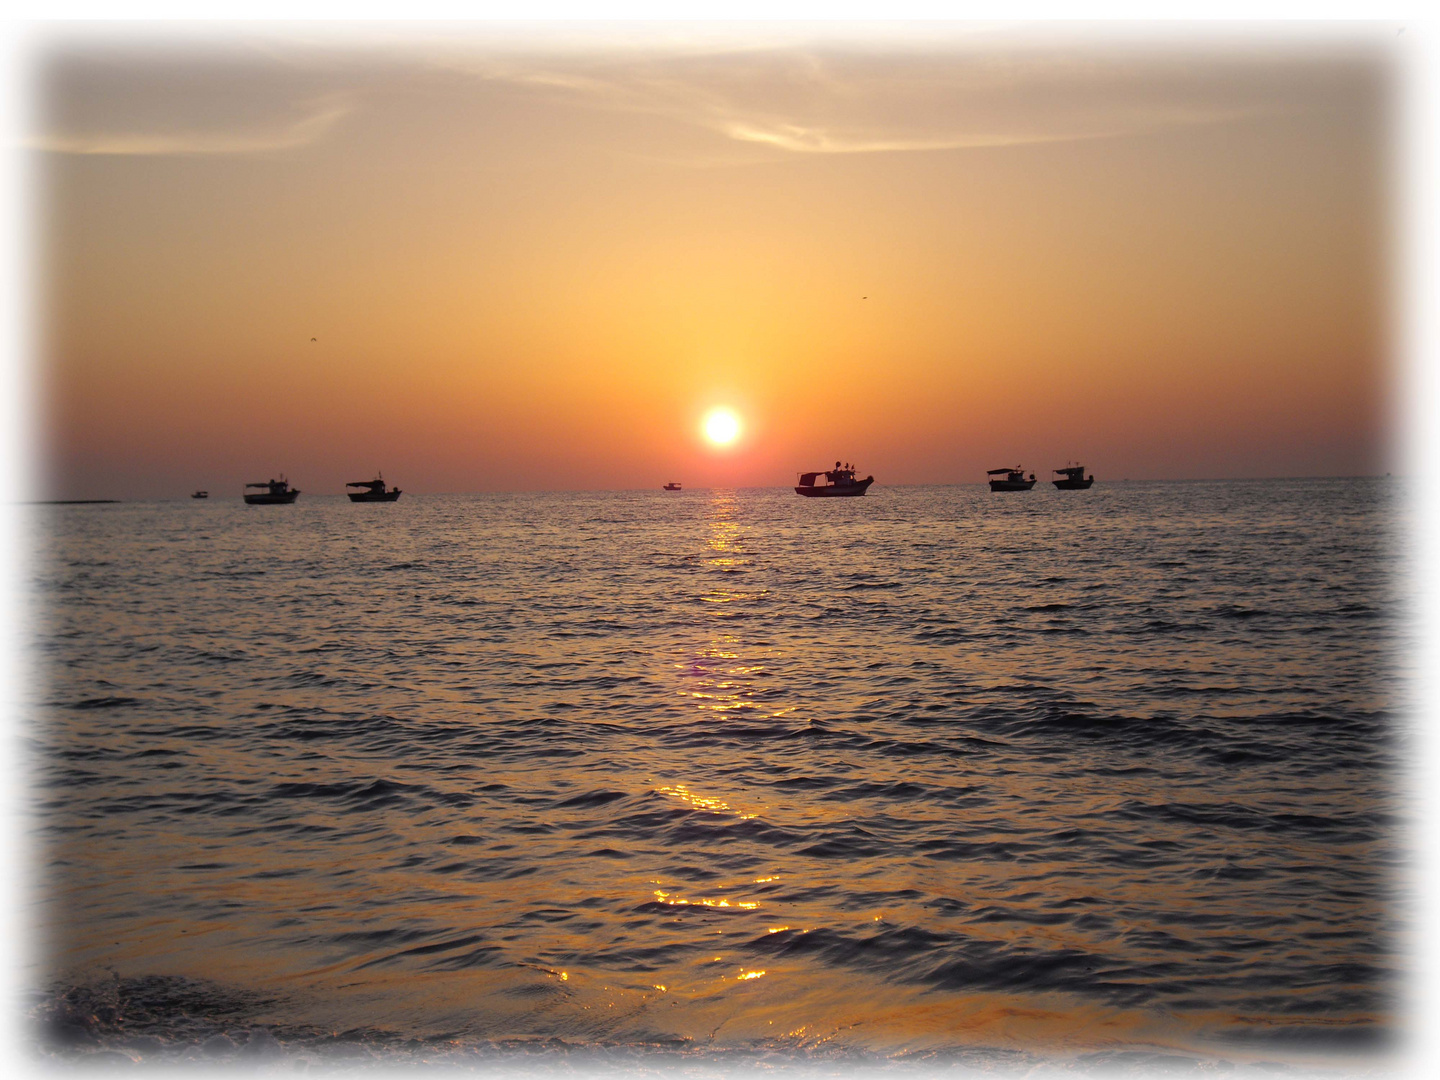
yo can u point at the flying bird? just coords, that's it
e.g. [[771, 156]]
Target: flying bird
[[312, 339]]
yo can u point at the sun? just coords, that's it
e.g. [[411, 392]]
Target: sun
[[721, 426]]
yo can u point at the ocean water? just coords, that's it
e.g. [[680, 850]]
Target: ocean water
[[1067, 778]]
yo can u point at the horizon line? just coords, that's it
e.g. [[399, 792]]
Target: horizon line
[[745, 487]]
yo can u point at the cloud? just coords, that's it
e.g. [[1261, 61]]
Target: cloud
[[803, 102], [250, 140], [813, 140], [770, 96]]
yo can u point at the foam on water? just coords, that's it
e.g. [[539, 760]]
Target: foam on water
[[930, 772]]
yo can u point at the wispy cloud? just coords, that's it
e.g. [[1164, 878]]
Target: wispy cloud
[[816, 140], [250, 140], [769, 97], [801, 102]]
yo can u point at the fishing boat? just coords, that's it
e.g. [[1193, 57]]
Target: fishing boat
[[274, 491], [200, 494], [838, 481], [1008, 479], [1074, 478], [374, 491], [672, 486]]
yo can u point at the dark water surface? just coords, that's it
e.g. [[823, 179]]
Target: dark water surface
[[931, 771]]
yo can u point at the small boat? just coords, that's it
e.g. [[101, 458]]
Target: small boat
[[1074, 478], [374, 491], [200, 494], [672, 486], [839, 481], [275, 491], [1010, 479]]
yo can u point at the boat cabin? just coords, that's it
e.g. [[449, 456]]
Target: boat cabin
[[836, 477], [274, 488]]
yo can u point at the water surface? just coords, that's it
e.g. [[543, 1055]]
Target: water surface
[[934, 771]]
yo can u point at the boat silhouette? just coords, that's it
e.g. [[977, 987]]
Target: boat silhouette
[[1074, 478], [275, 491], [374, 491], [1009, 479], [672, 486], [839, 481], [200, 494]]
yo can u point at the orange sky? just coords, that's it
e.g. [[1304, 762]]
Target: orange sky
[[533, 262]]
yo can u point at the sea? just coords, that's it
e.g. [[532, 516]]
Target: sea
[[716, 781]]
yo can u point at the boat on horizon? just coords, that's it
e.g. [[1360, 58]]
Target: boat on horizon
[[672, 486], [839, 481], [200, 494], [273, 493], [1009, 479], [374, 491], [1074, 478]]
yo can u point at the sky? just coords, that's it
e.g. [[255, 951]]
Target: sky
[[525, 258]]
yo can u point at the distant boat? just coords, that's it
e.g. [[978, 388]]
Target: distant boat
[[374, 491], [200, 494], [1013, 479], [672, 486], [275, 491], [1075, 478], [839, 481]]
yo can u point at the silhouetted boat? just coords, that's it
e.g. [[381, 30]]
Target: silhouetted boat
[[374, 491], [1075, 478], [672, 486], [276, 491], [1014, 479], [200, 494], [839, 481]]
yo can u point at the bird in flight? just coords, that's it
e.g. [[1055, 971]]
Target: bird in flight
[[312, 339]]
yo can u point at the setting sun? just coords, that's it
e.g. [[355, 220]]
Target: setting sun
[[722, 426]]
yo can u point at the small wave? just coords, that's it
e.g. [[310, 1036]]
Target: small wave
[[591, 799], [375, 795]]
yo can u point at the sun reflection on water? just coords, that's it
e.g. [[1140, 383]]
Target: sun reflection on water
[[726, 552], [705, 901], [702, 802], [726, 677]]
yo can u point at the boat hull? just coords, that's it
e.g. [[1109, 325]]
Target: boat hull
[[371, 496], [1073, 485], [266, 499], [835, 491], [1011, 485]]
